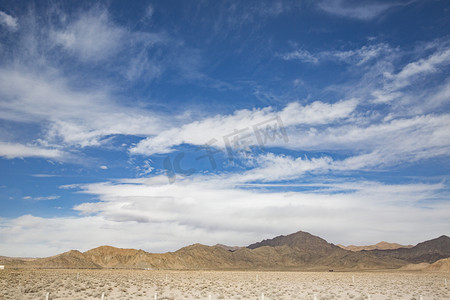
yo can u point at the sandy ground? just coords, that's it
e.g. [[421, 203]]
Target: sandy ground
[[142, 284]]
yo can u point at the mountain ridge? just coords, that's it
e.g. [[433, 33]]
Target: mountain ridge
[[380, 246], [428, 251], [296, 251]]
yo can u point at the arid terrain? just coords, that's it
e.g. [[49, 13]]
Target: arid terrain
[[145, 284], [296, 266]]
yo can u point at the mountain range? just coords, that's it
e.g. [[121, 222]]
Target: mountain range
[[381, 246], [297, 251]]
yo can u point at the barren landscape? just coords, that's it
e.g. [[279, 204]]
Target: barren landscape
[[295, 266], [145, 284], [252, 149]]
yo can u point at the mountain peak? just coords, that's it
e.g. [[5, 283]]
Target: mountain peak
[[442, 243], [299, 240]]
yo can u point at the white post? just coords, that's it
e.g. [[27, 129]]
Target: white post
[[78, 274], [166, 277], [103, 296], [315, 297], [353, 279], [156, 296], [368, 296], [420, 297], [256, 277], [262, 296], [445, 281], [47, 296], [209, 297]]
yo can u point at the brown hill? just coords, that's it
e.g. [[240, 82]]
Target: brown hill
[[380, 246], [415, 267], [111, 257], [298, 251], [428, 251], [13, 262], [310, 250], [68, 260], [442, 265]]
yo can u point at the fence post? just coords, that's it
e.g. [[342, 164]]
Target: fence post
[[47, 296], [103, 296]]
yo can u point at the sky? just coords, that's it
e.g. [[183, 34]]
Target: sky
[[158, 124]]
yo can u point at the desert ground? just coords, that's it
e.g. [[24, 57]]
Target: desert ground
[[151, 284]]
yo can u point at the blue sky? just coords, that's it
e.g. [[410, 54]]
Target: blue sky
[[159, 124]]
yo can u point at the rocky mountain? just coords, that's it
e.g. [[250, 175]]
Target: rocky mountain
[[297, 251], [301, 241], [380, 246], [428, 251], [311, 250]]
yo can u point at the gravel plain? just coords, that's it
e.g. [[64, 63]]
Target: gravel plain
[[151, 284]]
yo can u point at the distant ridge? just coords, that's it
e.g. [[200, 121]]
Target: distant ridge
[[298, 251], [380, 246], [428, 251]]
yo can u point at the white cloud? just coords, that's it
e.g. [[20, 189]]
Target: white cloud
[[67, 114], [211, 210], [418, 88], [188, 202], [218, 127], [44, 175], [271, 167], [146, 168], [9, 21], [409, 107], [104, 167], [361, 10], [43, 198], [14, 150], [302, 55], [231, 208], [363, 55], [71, 117], [419, 68], [387, 143], [92, 37], [149, 12], [141, 65]]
